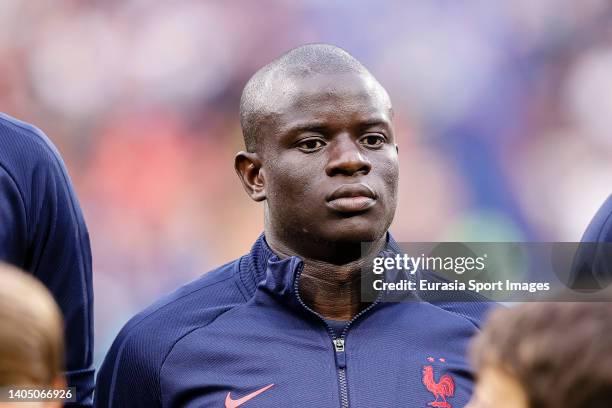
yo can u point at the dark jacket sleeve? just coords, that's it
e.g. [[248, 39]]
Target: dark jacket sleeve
[[592, 263], [42, 230], [129, 376], [13, 229], [600, 227]]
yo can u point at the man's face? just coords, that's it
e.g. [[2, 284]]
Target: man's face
[[329, 159]]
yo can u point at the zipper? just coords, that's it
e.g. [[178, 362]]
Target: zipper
[[338, 342]]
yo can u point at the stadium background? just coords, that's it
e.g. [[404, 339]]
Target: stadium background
[[503, 110]]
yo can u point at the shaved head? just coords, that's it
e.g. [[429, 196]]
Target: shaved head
[[260, 97], [314, 121]]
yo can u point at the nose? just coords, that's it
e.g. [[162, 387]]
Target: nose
[[347, 158]]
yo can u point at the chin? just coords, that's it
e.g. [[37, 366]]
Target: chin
[[355, 230]]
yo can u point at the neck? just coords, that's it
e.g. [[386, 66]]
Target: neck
[[332, 286]]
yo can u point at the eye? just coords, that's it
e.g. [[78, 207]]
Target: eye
[[373, 140], [310, 145]]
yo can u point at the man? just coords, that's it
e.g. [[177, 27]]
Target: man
[[42, 231], [31, 340], [284, 325], [541, 355]]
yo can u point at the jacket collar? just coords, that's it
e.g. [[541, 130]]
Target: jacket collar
[[263, 268]]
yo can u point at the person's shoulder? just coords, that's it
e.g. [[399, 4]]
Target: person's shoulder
[[144, 342], [473, 310], [600, 227], [194, 304], [25, 149], [17, 134], [465, 304]]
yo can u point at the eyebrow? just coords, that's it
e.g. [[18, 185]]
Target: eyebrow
[[314, 126], [374, 122], [321, 126]]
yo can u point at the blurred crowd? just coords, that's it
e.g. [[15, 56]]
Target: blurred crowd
[[503, 113]]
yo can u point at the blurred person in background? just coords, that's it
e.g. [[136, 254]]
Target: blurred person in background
[[42, 231], [545, 355], [285, 324], [31, 337], [592, 265]]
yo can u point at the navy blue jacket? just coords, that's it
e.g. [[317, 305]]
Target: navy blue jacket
[[43, 232], [600, 227], [241, 336], [592, 264]]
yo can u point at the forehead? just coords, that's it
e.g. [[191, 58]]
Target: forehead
[[339, 97]]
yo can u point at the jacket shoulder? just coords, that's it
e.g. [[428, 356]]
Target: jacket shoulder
[[206, 295], [32, 162], [23, 143], [466, 304], [600, 227], [145, 341]]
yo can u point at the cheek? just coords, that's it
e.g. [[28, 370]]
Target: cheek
[[289, 185], [389, 173]]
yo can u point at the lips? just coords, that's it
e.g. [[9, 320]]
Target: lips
[[351, 198]]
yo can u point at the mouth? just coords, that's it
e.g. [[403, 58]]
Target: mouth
[[349, 198]]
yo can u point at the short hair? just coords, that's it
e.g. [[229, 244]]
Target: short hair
[[560, 353], [31, 331], [299, 62]]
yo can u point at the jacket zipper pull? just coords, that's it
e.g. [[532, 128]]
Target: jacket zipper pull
[[340, 354]]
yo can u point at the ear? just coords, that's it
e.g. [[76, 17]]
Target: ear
[[248, 168]]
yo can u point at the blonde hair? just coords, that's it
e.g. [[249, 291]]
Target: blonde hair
[[31, 331]]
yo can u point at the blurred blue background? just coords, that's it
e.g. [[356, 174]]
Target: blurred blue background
[[503, 112]]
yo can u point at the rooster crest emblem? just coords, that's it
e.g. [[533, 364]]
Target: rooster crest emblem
[[441, 389]]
